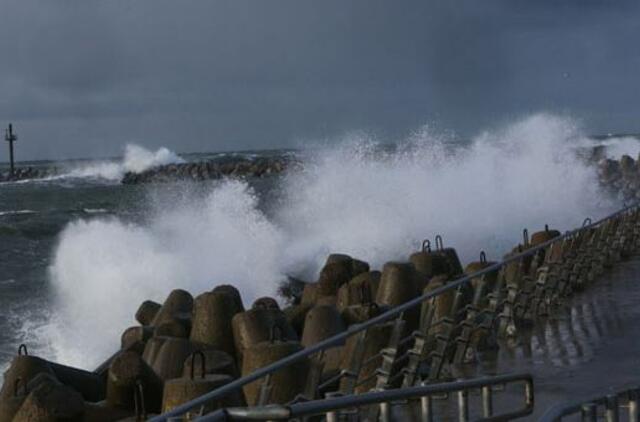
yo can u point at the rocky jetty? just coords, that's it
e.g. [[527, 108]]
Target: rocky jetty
[[208, 170], [621, 177], [27, 173]]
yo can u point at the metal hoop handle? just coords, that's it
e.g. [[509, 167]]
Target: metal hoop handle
[[275, 329], [483, 257], [426, 245], [138, 401], [202, 363], [439, 243], [546, 227], [586, 222], [22, 350], [525, 237], [364, 294]]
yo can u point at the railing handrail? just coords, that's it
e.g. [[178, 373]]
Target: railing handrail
[[314, 407], [338, 339]]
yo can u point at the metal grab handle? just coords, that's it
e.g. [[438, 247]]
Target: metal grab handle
[[23, 348], [426, 245], [586, 222], [525, 237], [439, 243], [275, 328], [483, 257], [202, 363], [365, 294]]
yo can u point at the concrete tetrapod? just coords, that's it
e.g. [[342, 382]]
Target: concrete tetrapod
[[212, 316], [147, 312], [129, 375], [178, 391], [286, 383], [322, 322], [51, 402], [254, 326]]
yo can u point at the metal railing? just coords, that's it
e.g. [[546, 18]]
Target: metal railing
[[548, 272], [331, 406], [588, 409]]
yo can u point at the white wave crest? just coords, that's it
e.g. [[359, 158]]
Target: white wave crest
[[349, 199], [136, 159], [618, 146]]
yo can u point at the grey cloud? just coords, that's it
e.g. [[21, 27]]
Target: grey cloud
[[83, 78]]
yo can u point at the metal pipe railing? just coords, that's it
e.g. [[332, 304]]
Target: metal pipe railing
[[339, 339], [385, 397]]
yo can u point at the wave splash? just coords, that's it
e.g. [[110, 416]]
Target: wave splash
[[353, 199], [136, 159]]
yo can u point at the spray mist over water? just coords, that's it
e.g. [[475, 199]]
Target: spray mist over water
[[478, 197], [352, 199], [617, 147], [136, 159]]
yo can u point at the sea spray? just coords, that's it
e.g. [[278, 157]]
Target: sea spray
[[480, 196], [352, 199], [103, 269], [135, 159]]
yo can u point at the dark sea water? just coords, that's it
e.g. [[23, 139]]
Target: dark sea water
[[79, 252]]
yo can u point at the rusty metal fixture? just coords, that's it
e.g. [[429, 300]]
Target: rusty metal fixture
[[127, 374]]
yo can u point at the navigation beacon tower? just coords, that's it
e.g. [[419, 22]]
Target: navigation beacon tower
[[11, 138]]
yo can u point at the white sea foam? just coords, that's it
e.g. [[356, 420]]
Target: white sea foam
[[17, 212], [136, 159], [348, 199], [619, 146]]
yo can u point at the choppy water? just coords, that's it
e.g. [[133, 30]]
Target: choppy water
[[79, 252]]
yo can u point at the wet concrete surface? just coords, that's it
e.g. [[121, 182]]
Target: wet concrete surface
[[589, 347]]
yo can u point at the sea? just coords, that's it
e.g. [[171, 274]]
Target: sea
[[79, 251]]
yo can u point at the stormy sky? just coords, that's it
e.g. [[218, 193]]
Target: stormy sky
[[83, 78]]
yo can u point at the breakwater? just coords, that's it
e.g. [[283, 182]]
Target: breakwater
[[208, 170], [28, 173], [187, 346], [621, 177]]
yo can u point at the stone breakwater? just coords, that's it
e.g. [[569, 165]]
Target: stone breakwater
[[208, 170], [621, 177], [188, 346], [28, 173]]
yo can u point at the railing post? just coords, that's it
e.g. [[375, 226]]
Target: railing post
[[332, 415], [589, 412], [633, 406], [426, 409], [385, 411], [487, 401], [611, 413], [529, 393], [265, 391], [463, 406]]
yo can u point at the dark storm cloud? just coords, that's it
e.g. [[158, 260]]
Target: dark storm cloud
[[84, 77]]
